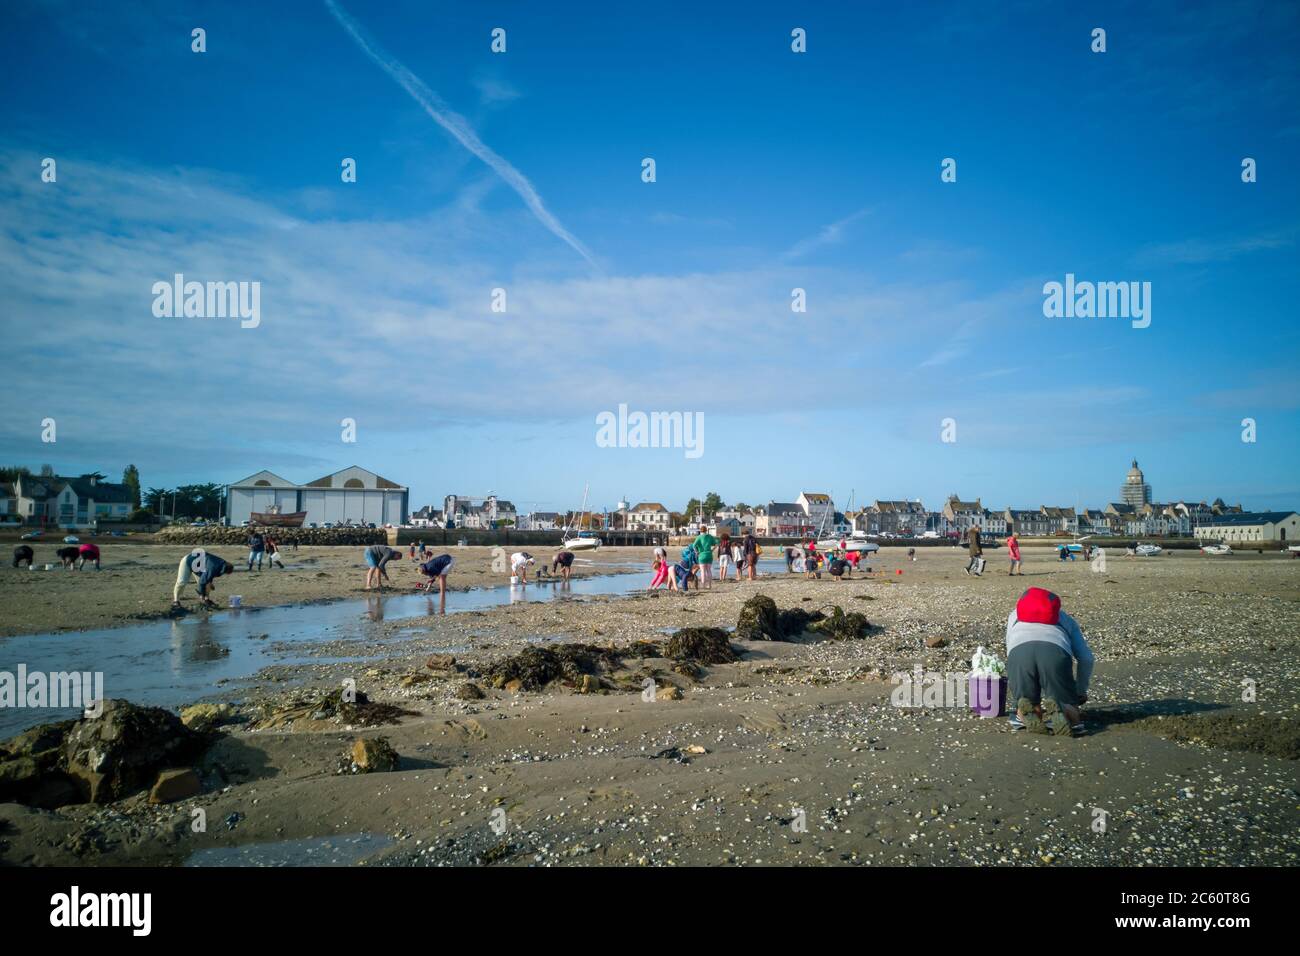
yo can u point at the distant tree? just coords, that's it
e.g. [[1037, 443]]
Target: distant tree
[[199, 501], [157, 500], [713, 503], [741, 507], [14, 472], [131, 478], [47, 471], [692, 510]]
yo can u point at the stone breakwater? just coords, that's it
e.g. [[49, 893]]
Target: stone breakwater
[[302, 536]]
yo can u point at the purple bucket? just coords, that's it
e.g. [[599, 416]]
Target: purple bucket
[[988, 695]]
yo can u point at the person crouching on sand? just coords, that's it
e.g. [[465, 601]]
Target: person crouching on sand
[[68, 556], [377, 557], [88, 552], [660, 576], [435, 569], [1043, 646], [23, 553], [204, 566], [563, 563]]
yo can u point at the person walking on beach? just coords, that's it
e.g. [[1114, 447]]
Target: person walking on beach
[[563, 562], [435, 569], [704, 544], [1044, 645], [88, 552], [520, 562], [976, 564], [1013, 549], [273, 554], [377, 558], [750, 548], [23, 553], [789, 559], [256, 549], [204, 566]]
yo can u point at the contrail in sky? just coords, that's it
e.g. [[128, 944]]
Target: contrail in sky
[[457, 125]]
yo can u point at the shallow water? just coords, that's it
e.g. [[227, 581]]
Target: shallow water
[[169, 663], [342, 849]]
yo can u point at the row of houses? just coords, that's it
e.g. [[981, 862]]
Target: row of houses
[[812, 513], [64, 502]]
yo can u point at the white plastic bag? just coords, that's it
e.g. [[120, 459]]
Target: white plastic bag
[[984, 664]]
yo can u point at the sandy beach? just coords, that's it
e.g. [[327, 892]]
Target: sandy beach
[[793, 753]]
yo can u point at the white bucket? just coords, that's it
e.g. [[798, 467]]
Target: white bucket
[[49, 567], [236, 600], [514, 579]]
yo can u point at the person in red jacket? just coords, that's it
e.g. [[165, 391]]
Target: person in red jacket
[[1013, 549]]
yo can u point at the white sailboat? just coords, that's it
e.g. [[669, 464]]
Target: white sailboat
[[580, 540], [854, 541]]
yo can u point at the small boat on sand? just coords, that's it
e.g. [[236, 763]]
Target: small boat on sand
[[274, 519]]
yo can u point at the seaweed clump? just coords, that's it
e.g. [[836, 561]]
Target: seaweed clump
[[536, 667], [842, 627], [761, 620], [704, 645]]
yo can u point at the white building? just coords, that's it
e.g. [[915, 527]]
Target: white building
[[745, 518], [648, 516], [539, 521], [1252, 527], [66, 502], [350, 496], [427, 517], [783, 519], [818, 507]]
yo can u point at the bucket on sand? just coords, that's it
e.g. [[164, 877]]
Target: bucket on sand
[[514, 579], [236, 600], [49, 567], [988, 695]]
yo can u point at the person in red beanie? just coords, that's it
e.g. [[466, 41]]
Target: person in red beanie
[[1043, 646]]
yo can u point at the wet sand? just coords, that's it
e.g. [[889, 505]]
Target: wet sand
[[792, 733], [135, 582]]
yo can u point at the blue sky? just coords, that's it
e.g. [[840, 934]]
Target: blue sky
[[775, 170]]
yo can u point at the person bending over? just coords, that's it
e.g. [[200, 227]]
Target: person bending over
[[377, 558], [204, 566], [435, 569], [1044, 645], [563, 563]]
